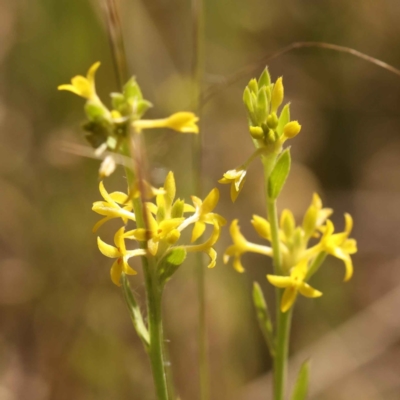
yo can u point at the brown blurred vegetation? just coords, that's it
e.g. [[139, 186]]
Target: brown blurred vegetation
[[65, 333]]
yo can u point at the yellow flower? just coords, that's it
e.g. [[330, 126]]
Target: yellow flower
[[184, 122], [240, 246], [315, 217], [236, 178], [84, 87], [110, 208], [121, 254], [206, 247], [339, 245], [293, 284], [204, 215]]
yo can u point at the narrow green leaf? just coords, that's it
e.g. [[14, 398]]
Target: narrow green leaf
[[279, 174], [263, 317], [301, 386], [284, 119], [170, 263], [135, 313]]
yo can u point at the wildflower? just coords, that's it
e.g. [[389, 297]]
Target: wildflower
[[204, 215], [84, 87], [121, 254], [207, 247], [241, 246], [294, 284], [339, 245], [184, 122], [110, 207], [236, 178]]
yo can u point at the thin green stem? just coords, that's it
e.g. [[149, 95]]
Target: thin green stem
[[282, 350], [154, 296], [317, 262], [273, 220], [283, 320]]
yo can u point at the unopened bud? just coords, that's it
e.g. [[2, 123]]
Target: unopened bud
[[253, 86], [247, 100], [272, 120], [265, 79], [107, 167], [277, 95], [288, 224], [291, 129], [256, 132]]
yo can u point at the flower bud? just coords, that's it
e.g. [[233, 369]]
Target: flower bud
[[287, 223], [247, 100], [107, 167], [291, 129], [253, 86], [256, 132], [277, 95], [272, 120], [265, 79]]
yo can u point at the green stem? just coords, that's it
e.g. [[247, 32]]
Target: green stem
[[282, 350], [314, 267], [154, 296], [273, 220], [283, 319]]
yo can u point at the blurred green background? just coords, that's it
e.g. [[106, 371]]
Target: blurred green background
[[65, 333]]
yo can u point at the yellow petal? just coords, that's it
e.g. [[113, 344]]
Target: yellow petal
[[213, 256], [279, 281], [288, 298], [127, 268], [348, 223], [262, 227], [119, 197], [92, 71], [119, 240], [198, 230], [188, 208], [151, 207], [70, 88], [105, 194], [82, 86], [306, 290], [116, 271], [100, 223], [238, 265], [138, 234], [210, 201], [350, 246], [107, 250]]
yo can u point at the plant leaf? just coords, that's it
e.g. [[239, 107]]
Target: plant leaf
[[263, 316], [279, 174], [170, 263], [301, 387]]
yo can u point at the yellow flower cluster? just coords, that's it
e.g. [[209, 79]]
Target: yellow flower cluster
[[269, 127], [165, 221], [184, 122], [299, 260]]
